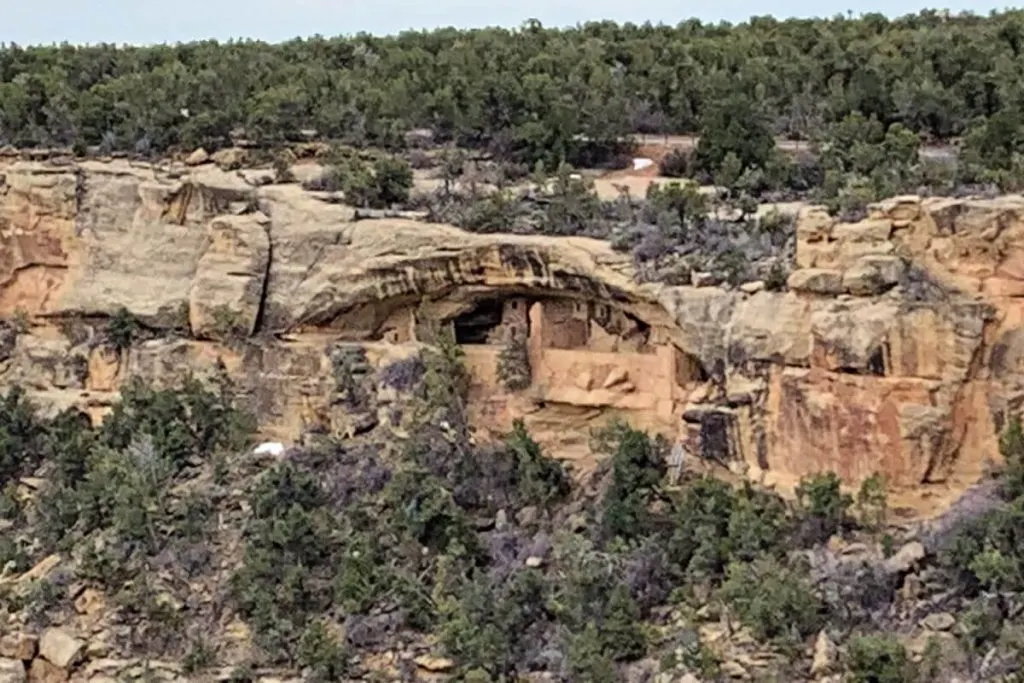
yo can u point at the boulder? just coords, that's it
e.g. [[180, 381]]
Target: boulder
[[939, 621], [905, 559], [865, 279], [229, 159], [12, 671], [21, 646], [199, 156], [752, 287], [734, 670], [816, 281], [60, 648], [42, 671], [434, 664]]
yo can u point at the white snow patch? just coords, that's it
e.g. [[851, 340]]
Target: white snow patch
[[274, 448]]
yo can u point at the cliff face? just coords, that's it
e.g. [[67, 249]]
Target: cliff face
[[896, 349]]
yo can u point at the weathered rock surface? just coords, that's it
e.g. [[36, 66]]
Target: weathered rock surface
[[20, 646], [227, 290], [60, 648], [12, 671], [898, 348]]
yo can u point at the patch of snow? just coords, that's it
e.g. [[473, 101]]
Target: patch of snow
[[273, 448]]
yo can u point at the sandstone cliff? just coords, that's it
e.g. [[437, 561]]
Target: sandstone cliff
[[896, 347]]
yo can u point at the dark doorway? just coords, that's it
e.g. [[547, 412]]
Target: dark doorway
[[474, 327]]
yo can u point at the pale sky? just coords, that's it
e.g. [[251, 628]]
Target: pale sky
[[29, 22]]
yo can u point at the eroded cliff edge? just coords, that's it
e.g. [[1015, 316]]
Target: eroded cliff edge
[[896, 349]]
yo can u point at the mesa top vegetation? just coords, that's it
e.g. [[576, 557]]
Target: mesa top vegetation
[[531, 93]]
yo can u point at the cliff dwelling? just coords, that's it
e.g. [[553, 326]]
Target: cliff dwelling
[[589, 361]]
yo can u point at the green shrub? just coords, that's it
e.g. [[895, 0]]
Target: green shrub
[[385, 182], [1011, 447], [638, 465], [485, 623], [445, 382], [200, 656], [981, 625], [514, 370], [678, 163], [122, 329], [392, 181], [115, 479], [291, 542], [182, 423], [363, 579], [823, 507], [158, 625], [492, 212], [322, 653], [242, 674], [621, 630], [872, 503], [772, 599], [40, 598], [21, 435], [877, 658], [426, 513], [588, 658], [539, 479], [282, 164], [715, 524], [776, 279], [987, 551], [683, 199], [733, 126]]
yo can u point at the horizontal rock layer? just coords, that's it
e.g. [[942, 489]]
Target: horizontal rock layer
[[897, 347]]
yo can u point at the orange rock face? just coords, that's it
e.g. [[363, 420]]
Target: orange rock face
[[898, 347]]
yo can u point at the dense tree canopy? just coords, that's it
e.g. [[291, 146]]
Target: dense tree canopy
[[532, 92]]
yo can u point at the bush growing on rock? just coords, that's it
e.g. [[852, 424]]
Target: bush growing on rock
[[380, 184], [1011, 447], [872, 506], [122, 329], [282, 165], [716, 525], [540, 480], [21, 435], [825, 508], [878, 659], [638, 466], [773, 600], [392, 178], [514, 370], [321, 653]]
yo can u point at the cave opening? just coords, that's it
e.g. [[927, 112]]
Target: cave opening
[[642, 329], [877, 361], [476, 325], [875, 364], [689, 369]]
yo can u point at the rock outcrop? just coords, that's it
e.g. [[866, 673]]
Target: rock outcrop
[[897, 347]]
